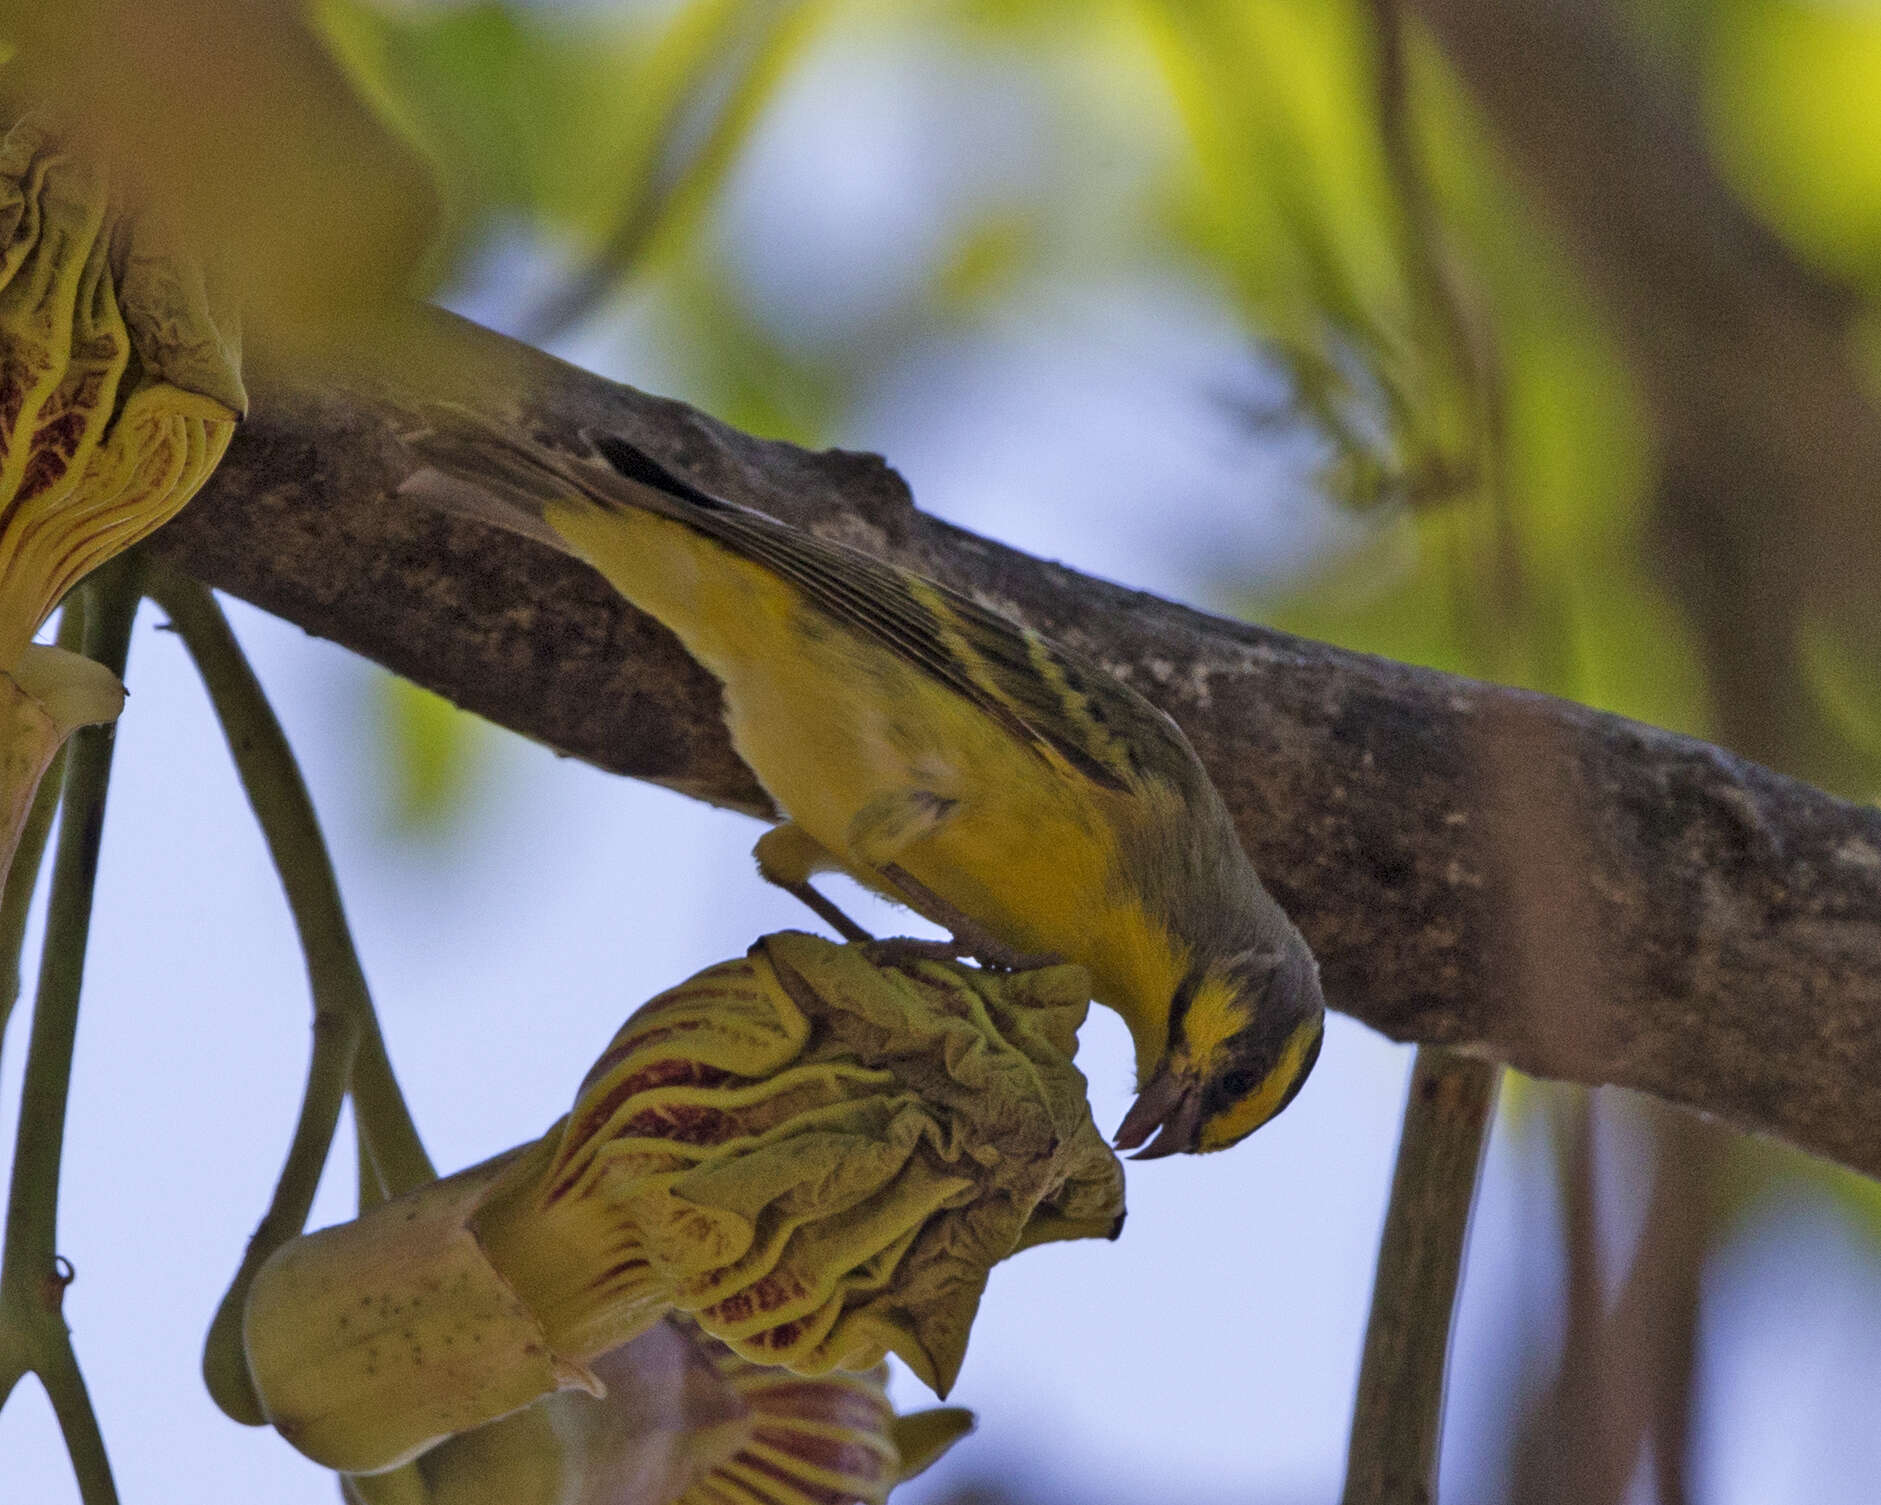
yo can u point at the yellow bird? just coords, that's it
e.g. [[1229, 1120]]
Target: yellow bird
[[950, 759]]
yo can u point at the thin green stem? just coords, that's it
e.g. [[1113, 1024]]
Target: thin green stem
[[32, 1205], [33, 1334], [22, 879], [382, 1119], [1397, 1424], [224, 1361], [78, 1423], [347, 1047], [371, 1188]]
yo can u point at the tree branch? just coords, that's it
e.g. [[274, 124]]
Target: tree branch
[[1514, 876]]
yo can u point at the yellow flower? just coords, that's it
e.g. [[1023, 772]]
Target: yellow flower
[[118, 394], [817, 1151], [817, 1156], [118, 389]]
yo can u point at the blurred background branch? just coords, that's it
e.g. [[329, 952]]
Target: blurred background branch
[[1397, 1421]]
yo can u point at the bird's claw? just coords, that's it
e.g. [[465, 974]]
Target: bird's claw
[[898, 949]]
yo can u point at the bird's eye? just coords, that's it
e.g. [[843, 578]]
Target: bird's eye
[[1241, 1081]]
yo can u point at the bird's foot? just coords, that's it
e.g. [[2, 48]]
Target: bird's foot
[[897, 950]]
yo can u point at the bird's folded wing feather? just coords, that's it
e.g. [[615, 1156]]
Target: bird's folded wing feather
[[1045, 696]]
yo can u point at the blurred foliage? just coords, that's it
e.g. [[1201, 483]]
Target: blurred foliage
[[1790, 91], [435, 757], [239, 125], [1534, 572], [612, 129], [1292, 193]]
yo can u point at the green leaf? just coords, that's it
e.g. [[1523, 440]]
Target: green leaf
[[1790, 95], [607, 126], [435, 756]]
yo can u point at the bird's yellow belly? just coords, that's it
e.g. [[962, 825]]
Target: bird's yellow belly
[[833, 739], [1019, 851]]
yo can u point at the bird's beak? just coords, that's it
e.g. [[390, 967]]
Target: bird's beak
[[1171, 1101]]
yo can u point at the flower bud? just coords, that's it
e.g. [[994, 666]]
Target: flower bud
[[48, 695], [371, 1341]]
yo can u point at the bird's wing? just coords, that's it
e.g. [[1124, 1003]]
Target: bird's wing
[[1055, 701], [1041, 692]]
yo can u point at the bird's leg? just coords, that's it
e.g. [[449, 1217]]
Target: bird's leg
[[828, 910], [970, 936], [787, 856]]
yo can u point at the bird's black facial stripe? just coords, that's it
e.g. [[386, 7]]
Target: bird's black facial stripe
[[1238, 1083], [1179, 1005]]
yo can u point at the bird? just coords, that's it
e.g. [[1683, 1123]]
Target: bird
[[956, 761]]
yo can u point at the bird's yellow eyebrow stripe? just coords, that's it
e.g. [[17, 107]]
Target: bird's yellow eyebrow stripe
[[1216, 1014], [1254, 1110]]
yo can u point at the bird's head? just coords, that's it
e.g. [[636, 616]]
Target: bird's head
[[1244, 1031]]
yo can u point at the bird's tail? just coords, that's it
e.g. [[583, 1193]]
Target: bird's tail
[[471, 468]]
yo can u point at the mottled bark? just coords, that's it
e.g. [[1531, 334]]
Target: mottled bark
[[1522, 878]]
